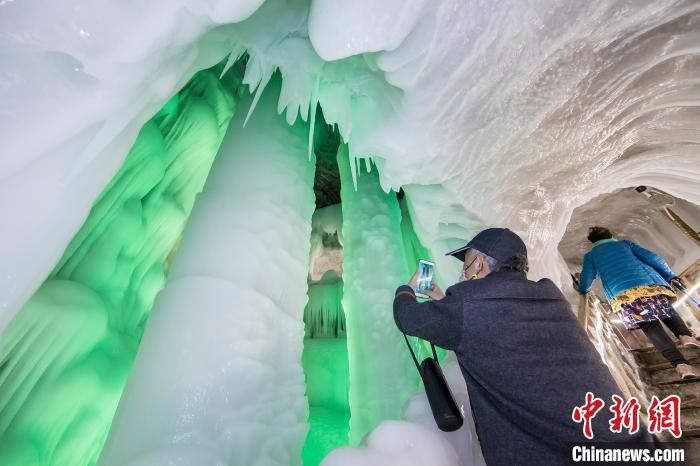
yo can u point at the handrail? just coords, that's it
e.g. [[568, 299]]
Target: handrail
[[691, 275]]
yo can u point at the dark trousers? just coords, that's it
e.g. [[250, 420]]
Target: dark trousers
[[660, 339]]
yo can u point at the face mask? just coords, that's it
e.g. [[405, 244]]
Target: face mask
[[463, 277]]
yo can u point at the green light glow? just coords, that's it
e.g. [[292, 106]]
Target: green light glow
[[325, 362], [66, 355], [413, 252], [382, 375]]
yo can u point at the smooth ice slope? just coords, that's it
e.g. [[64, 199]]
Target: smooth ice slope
[[218, 377]]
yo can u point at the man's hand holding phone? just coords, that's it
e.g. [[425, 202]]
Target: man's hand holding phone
[[425, 271], [435, 293]]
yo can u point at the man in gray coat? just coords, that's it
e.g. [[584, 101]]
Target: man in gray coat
[[526, 359]]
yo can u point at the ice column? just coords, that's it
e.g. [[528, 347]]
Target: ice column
[[382, 375], [218, 378]]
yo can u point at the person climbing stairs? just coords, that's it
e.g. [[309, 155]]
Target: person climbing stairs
[[662, 380]]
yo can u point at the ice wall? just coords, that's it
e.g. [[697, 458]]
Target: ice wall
[[78, 82], [511, 115], [382, 375], [218, 378], [65, 357]]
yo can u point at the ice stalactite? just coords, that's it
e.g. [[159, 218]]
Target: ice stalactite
[[323, 313], [67, 353], [218, 376], [382, 376]]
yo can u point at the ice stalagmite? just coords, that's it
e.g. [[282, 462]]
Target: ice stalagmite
[[218, 377], [382, 377]]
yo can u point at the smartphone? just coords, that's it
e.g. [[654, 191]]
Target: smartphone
[[425, 277]]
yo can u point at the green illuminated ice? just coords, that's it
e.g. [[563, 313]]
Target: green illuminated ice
[[382, 375], [66, 355]]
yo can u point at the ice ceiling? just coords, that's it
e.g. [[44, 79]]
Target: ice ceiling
[[113, 115]]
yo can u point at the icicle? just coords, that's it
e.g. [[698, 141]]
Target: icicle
[[261, 87], [312, 113], [353, 167], [323, 314], [235, 54], [368, 164], [286, 101]]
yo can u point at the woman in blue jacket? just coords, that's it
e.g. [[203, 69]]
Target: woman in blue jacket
[[637, 284]]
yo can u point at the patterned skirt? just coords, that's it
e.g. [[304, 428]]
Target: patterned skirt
[[646, 309]]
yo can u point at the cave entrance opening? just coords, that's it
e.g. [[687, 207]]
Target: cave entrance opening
[[325, 354]]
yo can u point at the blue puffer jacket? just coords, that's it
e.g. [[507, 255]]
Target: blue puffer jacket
[[622, 265]]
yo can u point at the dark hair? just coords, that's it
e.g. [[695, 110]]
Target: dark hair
[[518, 262], [598, 233]]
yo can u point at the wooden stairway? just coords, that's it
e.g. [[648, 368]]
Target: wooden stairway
[[662, 380]]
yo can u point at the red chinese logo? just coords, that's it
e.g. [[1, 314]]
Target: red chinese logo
[[665, 415], [662, 415], [626, 415], [587, 412]]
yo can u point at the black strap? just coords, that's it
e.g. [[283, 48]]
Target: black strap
[[413, 355]]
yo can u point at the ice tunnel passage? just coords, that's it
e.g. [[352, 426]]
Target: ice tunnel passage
[[510, 115]]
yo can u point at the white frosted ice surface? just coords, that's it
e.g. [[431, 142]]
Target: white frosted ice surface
[[516, 113], [418, 441], [511, 114], [382, 375], [397, 442], [219, 366]]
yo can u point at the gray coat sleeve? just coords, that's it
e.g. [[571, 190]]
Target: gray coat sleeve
[[439, 322]]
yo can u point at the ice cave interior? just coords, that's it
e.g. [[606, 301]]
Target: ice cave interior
[[207, 205]]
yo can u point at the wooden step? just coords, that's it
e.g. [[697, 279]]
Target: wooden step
[[649, 368], [690, 420], [667, 376], [651, 356], [689, 392], [649, 349]]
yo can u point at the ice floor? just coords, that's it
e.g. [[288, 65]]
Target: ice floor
[[207, 204]]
